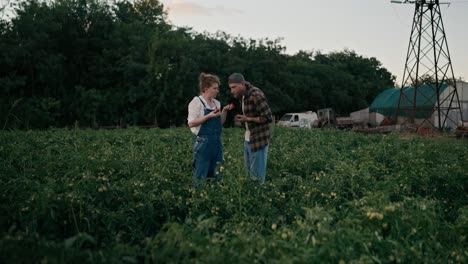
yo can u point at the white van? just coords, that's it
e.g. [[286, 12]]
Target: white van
[[307, 119]]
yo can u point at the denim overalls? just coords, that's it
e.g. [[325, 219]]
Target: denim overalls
[[207, 149]]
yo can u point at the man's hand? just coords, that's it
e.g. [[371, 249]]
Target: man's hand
[[244, 118]]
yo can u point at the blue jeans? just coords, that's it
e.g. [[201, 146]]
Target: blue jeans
[[255, 162]]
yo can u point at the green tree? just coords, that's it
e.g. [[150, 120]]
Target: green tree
[[102, 63]]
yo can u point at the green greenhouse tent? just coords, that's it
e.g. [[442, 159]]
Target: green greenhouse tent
[[386, 103]]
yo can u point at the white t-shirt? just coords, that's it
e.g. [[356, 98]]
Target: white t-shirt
[[247, 131], [196, 110]]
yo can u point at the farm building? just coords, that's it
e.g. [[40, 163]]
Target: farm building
[[386, 104], [364, 117]]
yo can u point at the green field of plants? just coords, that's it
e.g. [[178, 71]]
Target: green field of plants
[[125, 196]]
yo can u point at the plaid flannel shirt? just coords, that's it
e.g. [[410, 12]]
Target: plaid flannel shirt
[[256, 105]]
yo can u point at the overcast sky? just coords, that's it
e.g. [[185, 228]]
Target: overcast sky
[[372, 28]]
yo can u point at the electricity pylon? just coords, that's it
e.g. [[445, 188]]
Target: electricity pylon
[[429, 86]]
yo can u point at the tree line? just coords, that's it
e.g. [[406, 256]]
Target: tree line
[[91, 62]]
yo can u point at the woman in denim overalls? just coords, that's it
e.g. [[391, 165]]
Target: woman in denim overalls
[[205, 121]]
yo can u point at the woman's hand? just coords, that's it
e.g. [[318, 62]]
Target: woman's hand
[[202, 119], [214, 113], [228, 107]]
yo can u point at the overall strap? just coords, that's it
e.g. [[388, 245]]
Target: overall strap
[[204, 106]]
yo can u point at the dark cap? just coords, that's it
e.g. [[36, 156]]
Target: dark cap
[[236, 78]]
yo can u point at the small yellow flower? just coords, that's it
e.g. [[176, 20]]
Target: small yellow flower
[[374, 215], [379, 216]]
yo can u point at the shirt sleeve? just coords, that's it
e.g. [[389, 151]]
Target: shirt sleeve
[[218, 104], [262, 108], [193, 109]]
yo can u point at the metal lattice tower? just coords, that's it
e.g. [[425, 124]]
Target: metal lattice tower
[[428, 86]]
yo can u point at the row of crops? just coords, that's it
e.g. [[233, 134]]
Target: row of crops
[[74, 196]]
